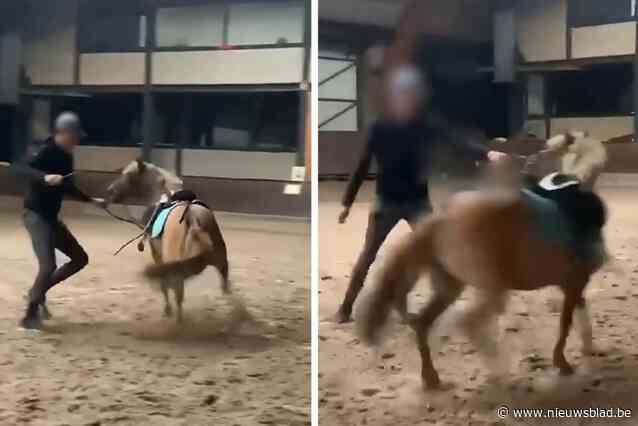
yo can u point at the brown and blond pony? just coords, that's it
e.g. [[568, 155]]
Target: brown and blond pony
[[191, 240], [489, 241]]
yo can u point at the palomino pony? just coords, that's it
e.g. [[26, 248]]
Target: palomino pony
[[191, 239], [494, 243]]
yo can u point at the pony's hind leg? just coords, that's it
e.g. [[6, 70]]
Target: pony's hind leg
[[178, 288], [479, 324], [584, 325], [572, 298], [168, 309], [446, 291]]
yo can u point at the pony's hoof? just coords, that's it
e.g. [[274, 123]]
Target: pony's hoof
[[566, 370], [589, 350], [432, 385], [431, 382], [343, 315], [343, 318], [45, 314]]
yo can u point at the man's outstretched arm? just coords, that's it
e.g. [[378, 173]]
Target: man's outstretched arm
[[356, 180]]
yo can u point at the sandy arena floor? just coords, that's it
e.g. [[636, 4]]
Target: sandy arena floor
[[360, 386], [109, 358]]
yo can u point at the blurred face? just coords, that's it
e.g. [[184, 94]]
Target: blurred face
[[67, 140], [405, 94]]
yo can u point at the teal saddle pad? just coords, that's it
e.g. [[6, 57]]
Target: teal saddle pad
[[160, 221], [550, 221]]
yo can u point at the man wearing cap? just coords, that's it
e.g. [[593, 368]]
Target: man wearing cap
[[402, 143], [48, 169]]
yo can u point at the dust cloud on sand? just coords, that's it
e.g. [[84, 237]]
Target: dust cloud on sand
[[109, 358], [364, 386]]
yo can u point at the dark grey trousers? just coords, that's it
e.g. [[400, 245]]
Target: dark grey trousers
[[383, 218], [46, 237]]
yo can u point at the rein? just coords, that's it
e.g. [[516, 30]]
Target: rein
[[123, 219], [132, 222]]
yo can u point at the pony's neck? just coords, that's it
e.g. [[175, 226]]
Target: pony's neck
[[170, 185]]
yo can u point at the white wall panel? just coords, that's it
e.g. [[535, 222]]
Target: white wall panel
[[250, 66], [237, 164], [102, 158], [195, 162], [541, 27], [112, 68], [598, 127], [604, 40], [49, 42]]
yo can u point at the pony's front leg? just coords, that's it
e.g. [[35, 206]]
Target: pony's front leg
[[572, 298]]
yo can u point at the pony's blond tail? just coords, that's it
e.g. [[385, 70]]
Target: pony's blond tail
[[209, 253], [397, 278], [189, 267]]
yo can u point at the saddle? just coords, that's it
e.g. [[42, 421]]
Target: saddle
[[156, 216], [567, 215]]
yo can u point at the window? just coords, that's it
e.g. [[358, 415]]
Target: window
[[338, 105], [108, 119], [264, 121], [111, 26], [598, 91], [255, 23], [535, 95], [191, 26], [596, 12]]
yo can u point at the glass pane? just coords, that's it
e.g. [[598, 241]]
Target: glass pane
[[191, 26], [124, 112], [596, 12], [238, 121], [598, 91], [257, 23], [97, 34], [535, 95]]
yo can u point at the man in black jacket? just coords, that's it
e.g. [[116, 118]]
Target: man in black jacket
[[403, 143], [48, 169]]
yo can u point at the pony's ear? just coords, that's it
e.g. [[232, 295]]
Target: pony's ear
[[141, 166]]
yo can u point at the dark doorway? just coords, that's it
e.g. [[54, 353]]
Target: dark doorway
[[7, 125]]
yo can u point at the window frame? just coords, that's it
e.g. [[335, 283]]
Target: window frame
[[139, 11], [350, 104], [252, 147], [151, 20], [225, 32], [575, 23], [550, 84]]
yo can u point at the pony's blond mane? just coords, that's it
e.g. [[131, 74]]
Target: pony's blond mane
[[172, 182], [584, 158]]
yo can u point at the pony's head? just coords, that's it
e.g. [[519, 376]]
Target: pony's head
[[143, 181], [581, 156]]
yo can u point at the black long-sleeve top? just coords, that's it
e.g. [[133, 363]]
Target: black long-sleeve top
[[403, 154], [47, 158]]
